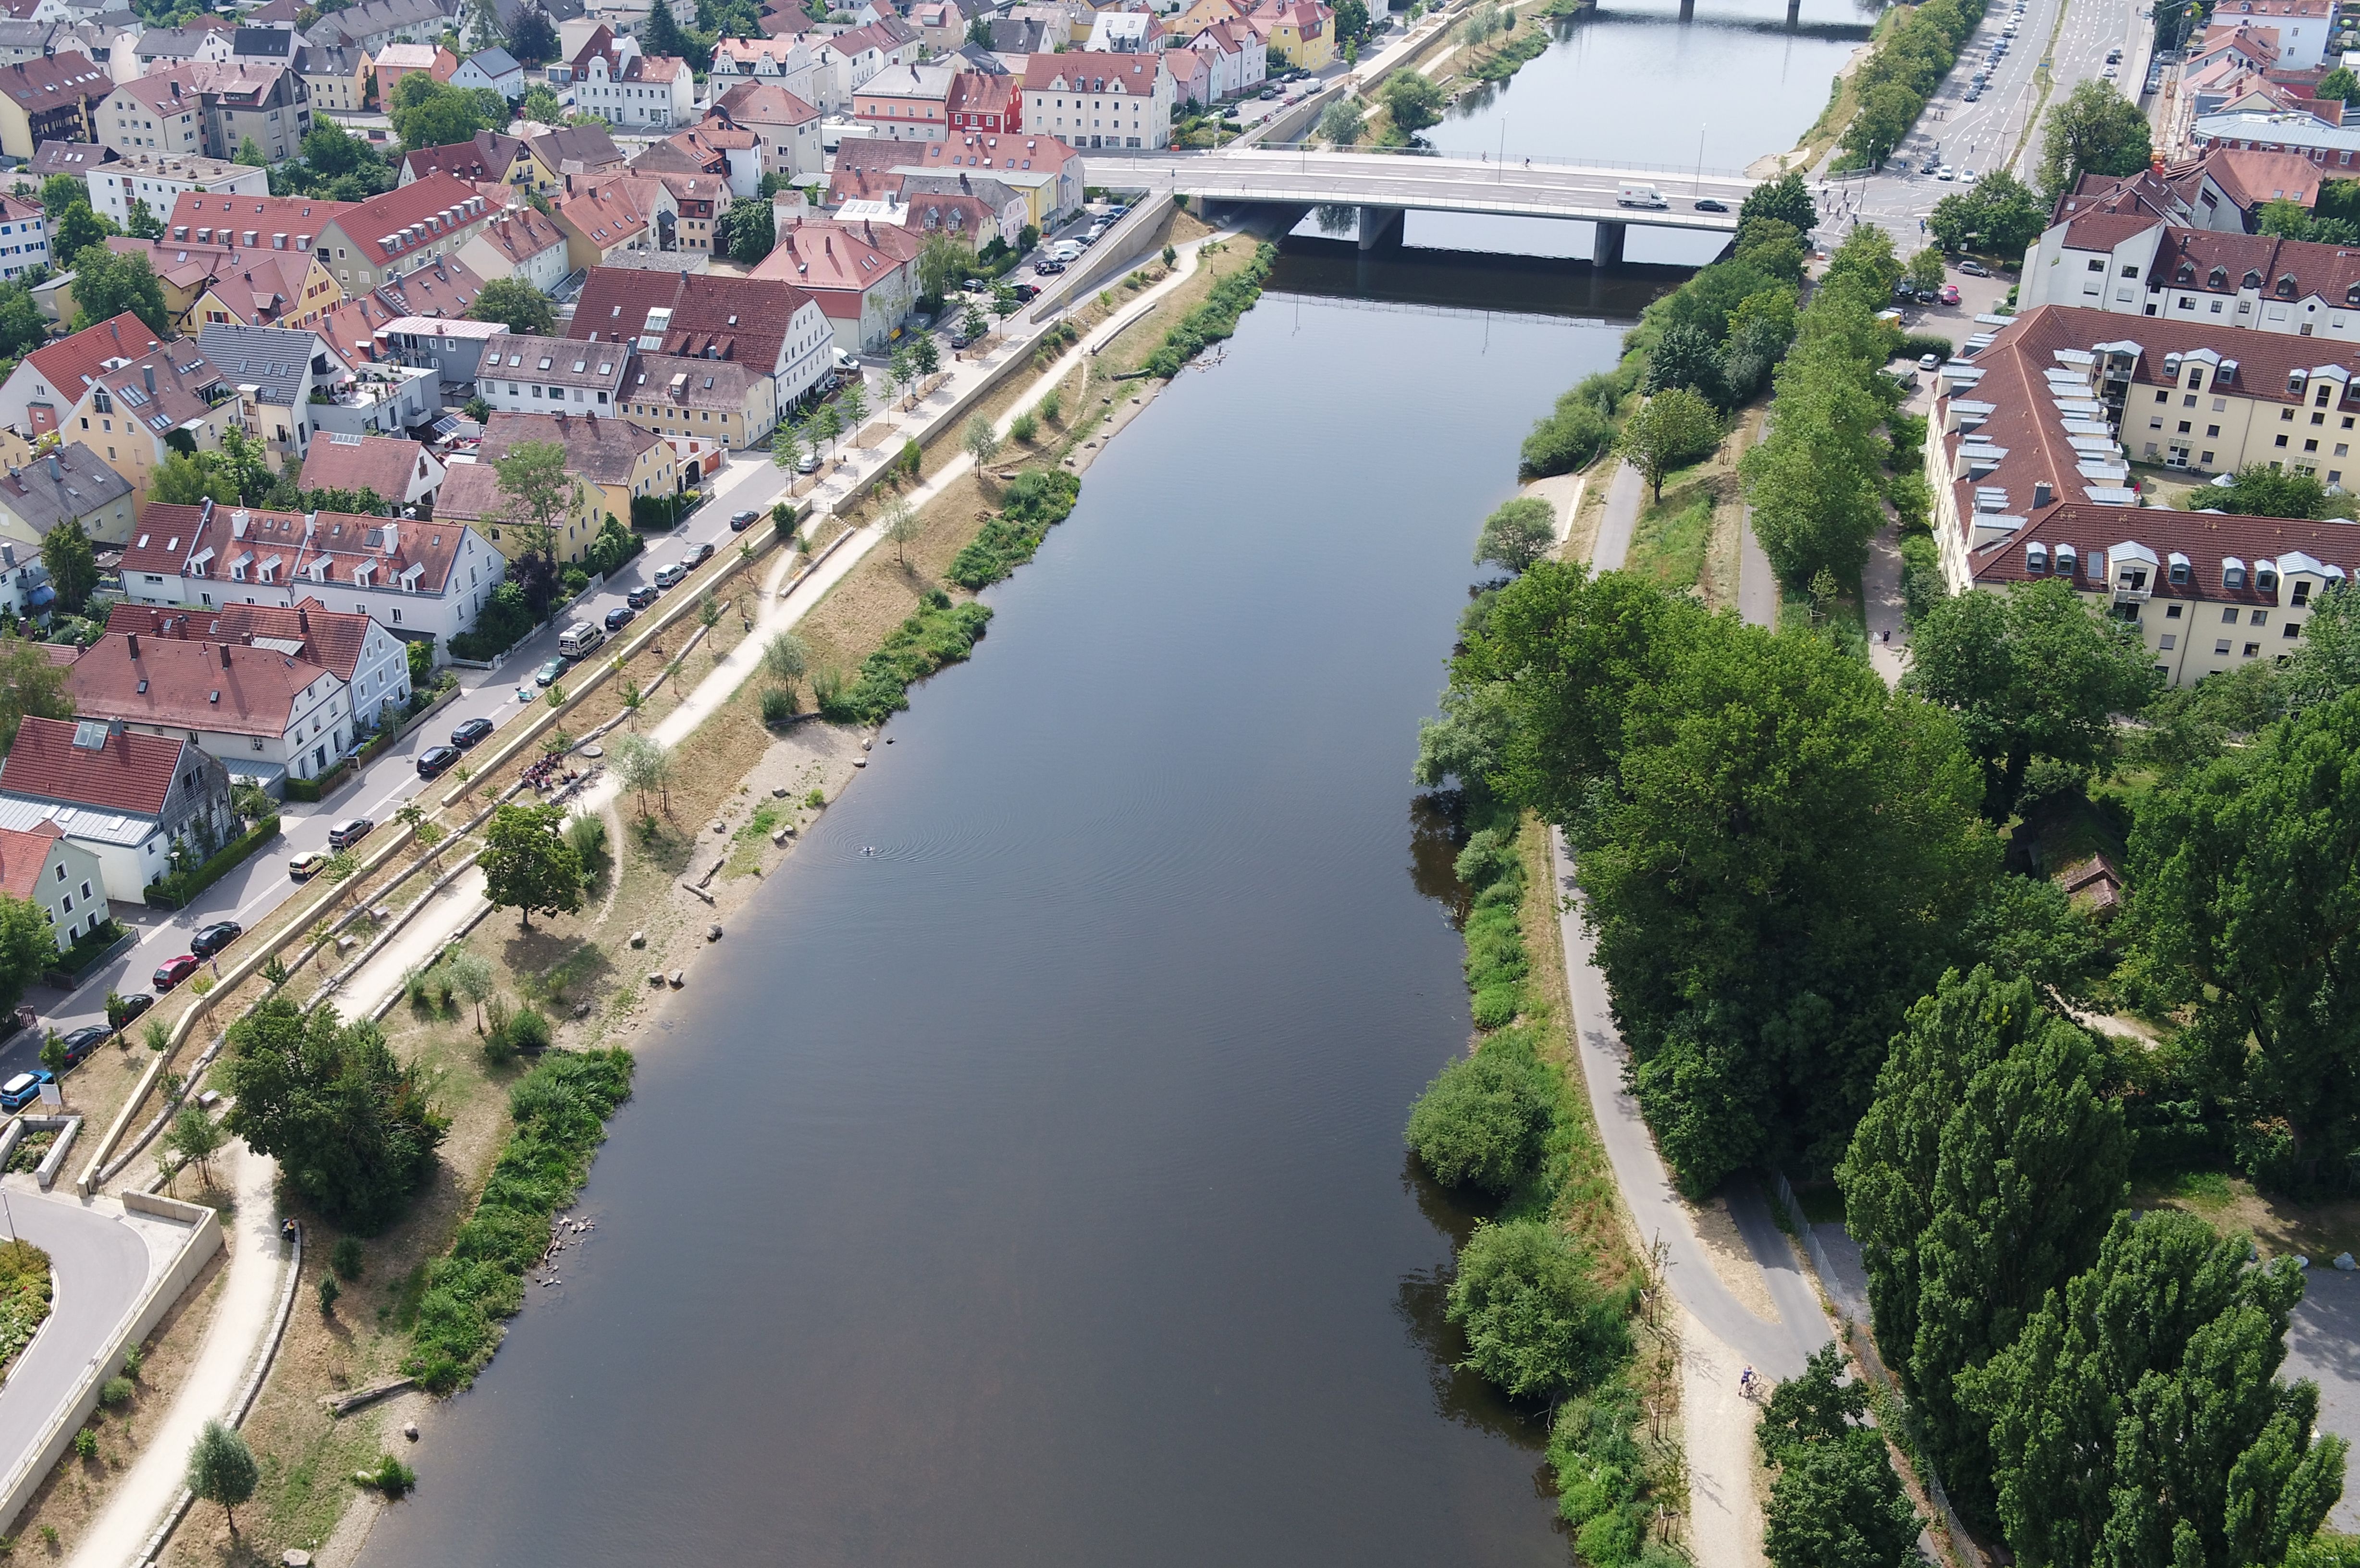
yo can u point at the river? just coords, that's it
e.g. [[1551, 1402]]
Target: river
[[1031, 1192]]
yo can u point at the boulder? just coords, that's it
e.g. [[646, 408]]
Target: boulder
[[713, 932], [655, 978], [679, 978], [2343, 1261], [410, 1431], [639, 939]]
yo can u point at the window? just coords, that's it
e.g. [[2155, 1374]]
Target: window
[[2171, 612], [2221, 648], [2211, 429], [2252, 649], [2229, 617], [2163, 397], [2281, 440], [2293, 630], [2168, 641]]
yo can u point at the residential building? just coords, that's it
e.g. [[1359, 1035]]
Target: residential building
[[773, 326], [161, 179], [787, 127], [1236, 56], [615, 216], [453, 347], [1046, 169], [940, 27], [490, 158], [260, 288], [472, 495], [863, 275], [367, 243], [265, 714], [848, 60], [64, 482], [1192, 78], [49, 379], [275, 371], [397, 473], [906, 103], [571, 153], [978, 207], [982, 103], [373, 23], [520, 243], [337, 76], [2304, 28], [372, 662], [615, 459], [27, 39], [2136, 267], [53, 99], [522, 375], [1302, 33], [264, 46], [124, 408], [1125, 32], [128, 800], [166, 49], [77, 158], [25, 587], [24, 236], [697, 201], [1198, 15], [728, 160], [395, 61], [718, 401], [382, 397], [2330, 146], [1099, 99], [417, 578], [493, 68], [614, 81], [1013, 38], [40, 865], [211, 110], [782, 62]]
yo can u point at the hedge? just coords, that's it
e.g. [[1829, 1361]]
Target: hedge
[[1216, 318], [1037, 500], [174, 891], [936, 634]]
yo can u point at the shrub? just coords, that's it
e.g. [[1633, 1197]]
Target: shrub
[[344, 1258], [116, 1393], [1921, 577], [1024, 427], [936, 634], [329, 1291], [1214, 320], [85, 1444], [1481, 1122], [816, 799], [1536, 1323], [388, 1475], [529, 1030], [1035, 501], [1496, 1006], [778, 706], [1051, 406]]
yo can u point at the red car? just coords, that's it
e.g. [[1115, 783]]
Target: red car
[[1950, 293], [172, 971]]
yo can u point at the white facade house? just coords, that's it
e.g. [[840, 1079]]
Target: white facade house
[[160, 181], [126, 799], [522, 244], [493, 67], [24, 237], [266, 712], [41, 865], [2131, 265]]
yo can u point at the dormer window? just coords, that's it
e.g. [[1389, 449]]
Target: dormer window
[[2217, 278], [2187, 273], [2196, 378], [2065, 560], [2179, 569], [2301, 591], [2285, 285], [2295, 379], [2233, 572], [2036, 558], [2252, 279], [2266, 576]]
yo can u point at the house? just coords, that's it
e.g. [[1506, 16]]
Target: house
[[2304, 27], [782, 62], [864, 276], [613, 79], [397, 473], [372, 662], [264, 46], [275, 371], [40, 865], [615, 459], [786, 19], [1125, 32], [2223, 190], [1198, 15], [165, 48], [1046, 169], [211, 110], [574, 151], [727, 161], [131, 801], [337, 76], [2131, 265], [373, 23], [77, 158], [1302, 33], [206, 283], [27, 40], [940, 27], [367, 243], [787, 127], [520, 243], [1099, 99], [416, 577], [490, 158], [2330, 146], [2092, 886], [24, 236], [773, 326], [53, 99], [127, 410], [159, 179], [524, 375], [64, 484], [265, 714], [453, 347], [493, 68], [615, 216], [1192, 77], [718, 401], [1014, 38], [49, 378], [380, 397], [982, 103], [395, 61], [848, 61], [697, 201], [1235, 55], [907, 103], [25, 587]]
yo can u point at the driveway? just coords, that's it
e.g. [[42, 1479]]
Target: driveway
[[2323, 1345]]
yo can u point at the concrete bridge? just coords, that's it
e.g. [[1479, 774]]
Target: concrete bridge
[[1386, 186]]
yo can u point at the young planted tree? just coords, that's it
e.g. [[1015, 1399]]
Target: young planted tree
[[221, 1470], [924, 356], [527, 864], [901, 525], [827, 425], [471, 974], [900, 372], [853, 402], [642, 764], [785, 659], [194, 1138], [1518, 534], [1672, 428], [982, 442]]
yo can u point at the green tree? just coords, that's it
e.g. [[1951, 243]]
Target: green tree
[[944, 264], [2245, 910], [539, 492], [2263, 491], [2283, 218], [2095, 130], [1413, 101], [527, 864], [245, 462], [1817, 479], [1839, 1505], [899, 523], [1519, 533], [1886, 111], [1481, 1122], [641, 765], [75, 230], [1772, 246], [2326, 663], [221, 1470], [143, 223], [72, 562], [27, 947], [982, 442], [1687, 355], [1816, 1405], [748, 228], [532, 37], [195, 1137], [1925, 270], [22, 326], [785, 659], [2138, 1419], [2339, 83], [1670, 429], [925, 355], [517, 305], [1537, 1324], [185, 479], [471, 974], [348, 1122], [427, 114], [1339, 123], [1785, 199], [1979, 1179], [250, 154], [59, 191], [29, 686], [106, 285], [2029, 673]]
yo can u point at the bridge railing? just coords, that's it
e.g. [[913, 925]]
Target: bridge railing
[[1671, 170]]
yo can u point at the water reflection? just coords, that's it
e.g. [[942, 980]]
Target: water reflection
[[1437, 829], [1422, 1301]]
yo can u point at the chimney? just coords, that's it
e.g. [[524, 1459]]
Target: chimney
[[133, 642], [2041, 494], [303, 620], [224, 647], [147, 373], [55, 476]]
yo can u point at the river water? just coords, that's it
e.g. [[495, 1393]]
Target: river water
[[1031, 1192]]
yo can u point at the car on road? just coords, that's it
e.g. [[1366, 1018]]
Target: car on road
[[1966, 177], [666, 577], [84, 1040], [345, 835], [1929, 362], [437, 760], [739, 523], [1950, 293], [1973, 93], [133, 1006], [807, 463], [1707, 204], [1946, 172], [1048, 266], [1267, 93], [548, 673], [1027, 292], [2113, 57], [640, 598], [1933, 166], [621, 615], [700, 554], [845, 362], [172, 971], [471, 734], [303, 867], [212, 939], [2109, 73], [959, 338], [1974, 269], [25, 1088]]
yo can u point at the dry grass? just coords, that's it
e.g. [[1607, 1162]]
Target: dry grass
[[2278, 1225]]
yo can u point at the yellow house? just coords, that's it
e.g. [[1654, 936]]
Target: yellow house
[[340, 79], [615, 459], [259, 289], [128, 415], [1203, 14], [1300, 32]]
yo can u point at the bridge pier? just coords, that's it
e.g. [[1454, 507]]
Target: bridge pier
[[1794, 12], [1606, 250], [1381, 227], [1688, 10]]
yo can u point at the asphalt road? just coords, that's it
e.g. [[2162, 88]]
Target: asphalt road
[[100, 1266]]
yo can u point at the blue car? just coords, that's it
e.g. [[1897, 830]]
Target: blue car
[[25, 1088]]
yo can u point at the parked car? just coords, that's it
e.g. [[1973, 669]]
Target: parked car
[[172, 971], [474, 733], [666, 577], [1028, 292], [739, 523], [25, 1088], [699, 554], [845, 362], [1048, 266], [345, 835], [1707, 204], [137, 1003], [807, 463], [303, 867], [1929, 362], [84, 1040], [1974, 269], [436, 760], [640, 598], [548, 673], [959, 338], [621, 615], [212, 939], [1950, 293]]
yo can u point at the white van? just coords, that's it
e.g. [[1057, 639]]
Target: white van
[[579, 638], [1639, 196]]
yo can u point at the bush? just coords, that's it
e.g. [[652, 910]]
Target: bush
[[613, 549], [1921, 577], [388, 1475], [1024, 427], [1481, 1122], [778, 706], [1035, 501], [1216, 319], [503, 621], [1572, 437], [1916, 346], [1536, 1323], [936, 634], [329, 1291], [576, 581], [116, 1393], [85, 1444], [344, 1258]]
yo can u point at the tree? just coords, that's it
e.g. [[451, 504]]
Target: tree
[[2339, 83], [1886, 111], [1979, 1179], [1787, 198], [59, 191], [2263, 491], [1481, 1122], [1687, 355], [2138, 1419], [1352, 19], [982, 442], [245, 462], [2326, 663], [517, 305], [106, 285], [250, 154], [143, 223], [2095, 130], [1772, 246], [1519, 533], [76, 229], [195, 1137], [221, 1470], [427, 114], [748, 228], [541, 106], [1537, 1324], [901, 525], [924, 356], [2029, 673], [785, 659], [944, 264], [1413, 100], [539, 491], [1839, 1505], [22, 326], [641, 765], [29, 686], [1817, 479], [472, 976], [1816, 1405], [1925, 270], [27, 947], [1004, 302], [532, 38], [67, 551], [827, 425], [2243, 910], [1339, 123], [186, 479], [852, 403], [1670, 429], [972, 323], [348, 1122], [528, 865]]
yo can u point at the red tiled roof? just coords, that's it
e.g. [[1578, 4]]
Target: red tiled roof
[[223, 686], [71, 364], [131, 775], [713, 314], [386, 464], [332, 639], [22, 855], [425, 202], [2206, 538], [1078, 71]]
